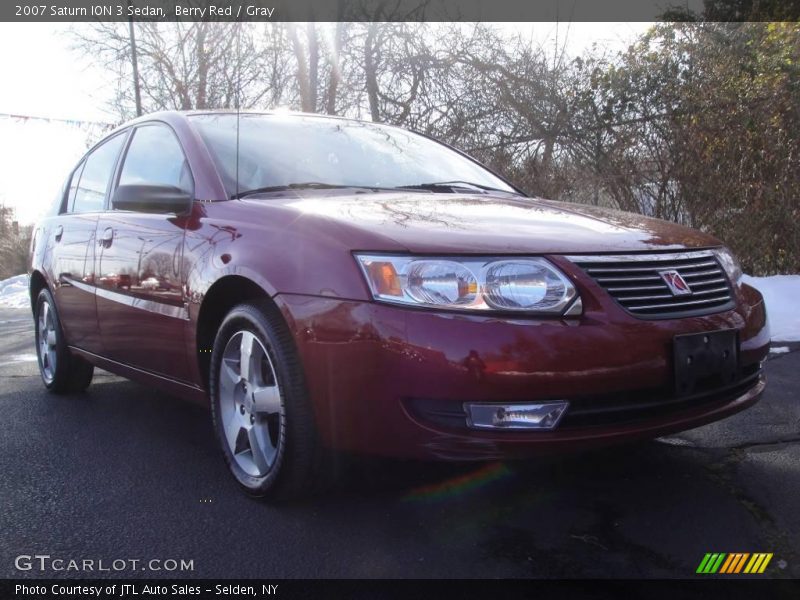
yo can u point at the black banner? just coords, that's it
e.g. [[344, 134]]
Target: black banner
[[397, 10], [462, 589]]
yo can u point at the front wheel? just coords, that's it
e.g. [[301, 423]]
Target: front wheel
[[61, 371], [262, 415]]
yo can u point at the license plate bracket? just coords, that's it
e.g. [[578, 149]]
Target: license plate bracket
[[705, 360]]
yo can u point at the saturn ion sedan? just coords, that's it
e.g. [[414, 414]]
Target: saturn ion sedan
[[336, 285]]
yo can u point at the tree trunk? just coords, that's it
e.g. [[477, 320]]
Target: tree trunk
[[302, 69], [336, 73], [370, 72], [313, 66], [202, 67]]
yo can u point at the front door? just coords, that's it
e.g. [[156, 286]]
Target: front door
[[141, 308]]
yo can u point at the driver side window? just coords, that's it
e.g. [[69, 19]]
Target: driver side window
[[155, 157], [88, 189]]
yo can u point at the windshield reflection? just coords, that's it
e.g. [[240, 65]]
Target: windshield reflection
[[282, 150]]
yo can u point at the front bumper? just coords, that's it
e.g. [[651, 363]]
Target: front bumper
[[370, 367]]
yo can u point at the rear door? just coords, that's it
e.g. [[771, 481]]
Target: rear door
[[72, 244], [141, 307]]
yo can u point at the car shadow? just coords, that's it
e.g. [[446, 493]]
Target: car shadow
[[171, 421]]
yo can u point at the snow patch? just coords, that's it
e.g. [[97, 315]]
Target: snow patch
[[782, 296], [14, 292], [779, 350]]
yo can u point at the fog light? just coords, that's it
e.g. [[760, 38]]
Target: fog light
[[515, 416]]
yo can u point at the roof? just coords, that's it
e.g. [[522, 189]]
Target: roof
[[171, 115]]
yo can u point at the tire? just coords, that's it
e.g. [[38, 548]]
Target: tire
[[62, 372], [261, 411]]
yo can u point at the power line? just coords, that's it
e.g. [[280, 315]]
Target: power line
[[69, 121]]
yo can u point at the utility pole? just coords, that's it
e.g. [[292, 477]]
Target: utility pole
[[137, 94]]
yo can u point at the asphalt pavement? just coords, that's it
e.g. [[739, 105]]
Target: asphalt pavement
[[126, 473]]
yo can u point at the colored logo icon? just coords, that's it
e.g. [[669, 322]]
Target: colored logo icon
[[734, 563]]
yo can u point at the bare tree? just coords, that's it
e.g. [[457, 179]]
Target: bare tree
[[182, 65], [694, 122], [14, 243]]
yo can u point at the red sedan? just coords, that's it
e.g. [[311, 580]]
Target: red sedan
[[329, 284]]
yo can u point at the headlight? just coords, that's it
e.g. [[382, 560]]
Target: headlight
[[730, 264], [506, 284]]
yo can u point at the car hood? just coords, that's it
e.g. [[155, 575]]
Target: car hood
[[481, 224]]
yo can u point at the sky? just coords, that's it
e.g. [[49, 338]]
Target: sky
[[44, 77]]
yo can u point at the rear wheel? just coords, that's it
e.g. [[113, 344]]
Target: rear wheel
[[262, 415], [61, 371]]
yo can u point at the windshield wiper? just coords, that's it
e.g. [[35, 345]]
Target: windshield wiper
[[443, 186], [307, 185], [448, 186]]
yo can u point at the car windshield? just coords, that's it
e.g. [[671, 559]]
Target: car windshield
[[285, 151]]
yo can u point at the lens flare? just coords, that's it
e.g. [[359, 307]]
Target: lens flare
[[457, 486]]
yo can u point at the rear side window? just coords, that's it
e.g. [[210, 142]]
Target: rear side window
[[155, 157], [90, 193], [73, 186]]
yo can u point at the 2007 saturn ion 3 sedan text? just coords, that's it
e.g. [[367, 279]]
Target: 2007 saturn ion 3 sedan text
[[330, 284]]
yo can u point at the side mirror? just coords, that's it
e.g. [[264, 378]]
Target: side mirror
[[152, 199]]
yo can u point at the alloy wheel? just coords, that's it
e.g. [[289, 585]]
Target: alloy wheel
[[251, 407], [47, 341]]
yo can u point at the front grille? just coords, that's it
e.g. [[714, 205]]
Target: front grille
[[634, 281]]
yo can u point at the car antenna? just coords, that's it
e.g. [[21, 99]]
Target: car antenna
[[237, 96]]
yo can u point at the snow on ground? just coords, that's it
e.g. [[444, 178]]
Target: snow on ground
[[782, 295], [781, 292], [14, 292]]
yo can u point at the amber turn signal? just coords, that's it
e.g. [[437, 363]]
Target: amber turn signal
[[384, 278]]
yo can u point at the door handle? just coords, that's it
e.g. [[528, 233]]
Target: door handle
[[108, 237], [58, 233]]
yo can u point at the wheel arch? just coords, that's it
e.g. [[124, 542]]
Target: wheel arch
[[36, 284], [225, 293]]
